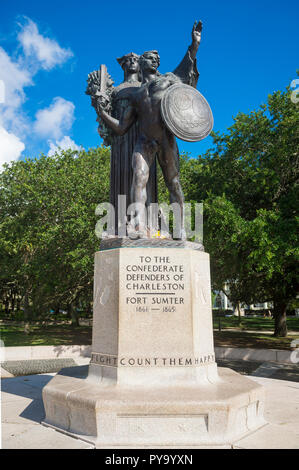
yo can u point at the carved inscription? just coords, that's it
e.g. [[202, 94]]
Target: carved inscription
[[156, 283]]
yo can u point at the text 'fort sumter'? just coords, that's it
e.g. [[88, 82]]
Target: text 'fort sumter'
[[156, 283]]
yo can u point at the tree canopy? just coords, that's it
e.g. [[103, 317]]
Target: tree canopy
[[249, 185]]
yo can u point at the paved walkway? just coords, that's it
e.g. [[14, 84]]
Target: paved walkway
[[273, 370], [22, 412], [260, 368]]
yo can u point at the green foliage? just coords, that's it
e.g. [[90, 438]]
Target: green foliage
[[45, 335], [249, 185], [47, 220]]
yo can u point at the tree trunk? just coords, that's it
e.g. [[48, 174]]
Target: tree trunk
[[89, 309], [6, 306], [239, 313], [13, 301], [280, 318], [74, 315]]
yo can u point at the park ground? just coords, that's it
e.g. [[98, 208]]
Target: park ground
[[256, 332]]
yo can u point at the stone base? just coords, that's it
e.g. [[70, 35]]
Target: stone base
[[126, 242], [110, 416]]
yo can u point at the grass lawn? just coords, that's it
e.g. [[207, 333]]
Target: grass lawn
[[252, 333], [253, 323], [41, 335], [248, 339]]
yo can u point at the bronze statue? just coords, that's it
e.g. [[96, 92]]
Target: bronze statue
[[121, 170]]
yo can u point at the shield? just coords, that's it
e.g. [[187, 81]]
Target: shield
[[186, 113]]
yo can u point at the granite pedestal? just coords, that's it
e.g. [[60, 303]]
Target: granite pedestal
[[153, 379]]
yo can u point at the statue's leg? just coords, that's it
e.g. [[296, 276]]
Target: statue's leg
[[141, 162], [169, 166]]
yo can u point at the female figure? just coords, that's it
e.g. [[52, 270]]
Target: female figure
[[122, 146]]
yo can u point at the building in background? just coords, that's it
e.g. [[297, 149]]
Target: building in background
[[222, 302]]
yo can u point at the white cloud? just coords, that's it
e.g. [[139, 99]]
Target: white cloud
[[11, 147], [47, 51], [56, 119], [15, 79], [64, 144], [2, 91], [13, 123]]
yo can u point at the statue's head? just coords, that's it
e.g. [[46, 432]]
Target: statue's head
[[129, 62], [149, 61]]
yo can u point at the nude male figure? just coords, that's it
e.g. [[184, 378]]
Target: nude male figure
[[154, 138]]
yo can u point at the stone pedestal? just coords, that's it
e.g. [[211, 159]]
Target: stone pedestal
[[152, 379]]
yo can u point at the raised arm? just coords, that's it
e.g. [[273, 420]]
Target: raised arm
[[119, 127], [187, 69]]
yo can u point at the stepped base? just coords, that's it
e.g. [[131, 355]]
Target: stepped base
[[109, 415]]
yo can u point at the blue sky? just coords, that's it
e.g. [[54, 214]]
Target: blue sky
[[248, 50]]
